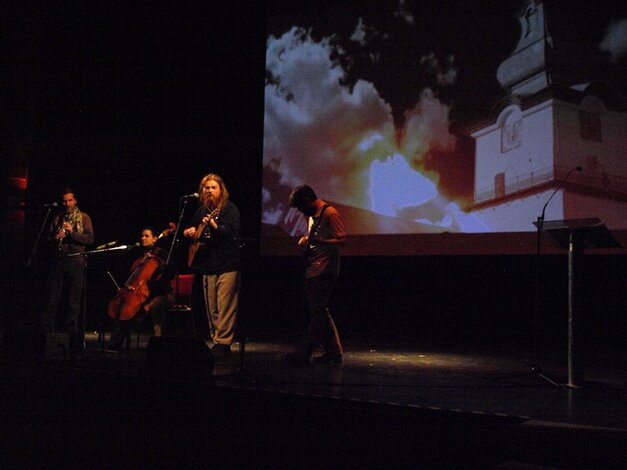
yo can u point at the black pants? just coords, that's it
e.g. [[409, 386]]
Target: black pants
[[322, 330], [65, 274]]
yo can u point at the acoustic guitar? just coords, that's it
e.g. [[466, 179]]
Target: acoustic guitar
[[195, 243]]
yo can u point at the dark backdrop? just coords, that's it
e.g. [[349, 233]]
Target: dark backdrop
[[132, 105]]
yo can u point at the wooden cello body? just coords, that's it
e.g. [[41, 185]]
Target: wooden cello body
[[135, 294]]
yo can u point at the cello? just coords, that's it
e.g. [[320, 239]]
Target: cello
[[135, 294]]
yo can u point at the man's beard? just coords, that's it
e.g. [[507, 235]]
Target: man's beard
[[209, 200]]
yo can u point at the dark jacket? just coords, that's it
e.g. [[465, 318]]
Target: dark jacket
[[219, 251]]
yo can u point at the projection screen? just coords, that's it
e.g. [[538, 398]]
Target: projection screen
[[407, 117]]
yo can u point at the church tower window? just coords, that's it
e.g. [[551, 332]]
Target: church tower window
[[499, 185], [590, 126], [511, 132]]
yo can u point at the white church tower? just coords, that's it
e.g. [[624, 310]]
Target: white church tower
[[556, 118]]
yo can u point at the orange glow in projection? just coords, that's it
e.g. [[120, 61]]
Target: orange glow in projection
[[362, 107], [344, 141]]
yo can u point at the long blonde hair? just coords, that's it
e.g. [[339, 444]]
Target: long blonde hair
[[224, 193]]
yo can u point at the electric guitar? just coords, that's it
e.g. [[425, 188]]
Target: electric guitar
[[313, 232], [195, 243]]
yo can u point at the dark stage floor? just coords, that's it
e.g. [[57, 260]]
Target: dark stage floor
[[412, 405]]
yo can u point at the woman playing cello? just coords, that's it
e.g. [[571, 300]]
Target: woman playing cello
[[148, 289]]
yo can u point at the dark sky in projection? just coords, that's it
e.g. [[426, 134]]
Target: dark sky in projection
[[403, 46], [361, 97], [131, 104]]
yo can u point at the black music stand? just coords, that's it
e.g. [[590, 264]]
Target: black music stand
[[83, 319], [577, 235]]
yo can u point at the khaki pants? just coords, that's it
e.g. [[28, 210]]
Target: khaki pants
[[222, 301]]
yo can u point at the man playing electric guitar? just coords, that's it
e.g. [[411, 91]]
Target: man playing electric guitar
[[321, 247]]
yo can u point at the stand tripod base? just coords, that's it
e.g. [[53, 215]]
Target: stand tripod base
[[538, 372], [534, 371]]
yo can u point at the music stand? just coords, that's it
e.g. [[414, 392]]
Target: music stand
[[83, 320], [576, 235]]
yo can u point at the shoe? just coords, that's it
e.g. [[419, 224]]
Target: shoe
[[221, 351], [297, 359], [328, 358]]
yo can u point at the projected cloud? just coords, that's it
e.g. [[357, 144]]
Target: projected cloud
[[615, 40], [342, 139]]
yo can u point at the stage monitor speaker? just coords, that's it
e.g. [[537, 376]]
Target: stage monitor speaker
[[179, 357]]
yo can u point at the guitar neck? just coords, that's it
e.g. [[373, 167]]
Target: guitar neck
[[199, 232]]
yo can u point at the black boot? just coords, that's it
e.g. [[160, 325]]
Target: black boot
[[328, 358], [221, 351]]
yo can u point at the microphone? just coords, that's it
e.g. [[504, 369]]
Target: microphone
[[541, 218], [106, 245], [123, 247], [52, 204], [191, 196], [128, 247]]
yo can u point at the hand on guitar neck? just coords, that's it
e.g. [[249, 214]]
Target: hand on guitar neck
[[195, 233], [303, 242]]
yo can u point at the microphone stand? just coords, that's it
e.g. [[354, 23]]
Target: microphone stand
[[175, 240], [41, 231], [242, 371], [176, 232], [33, 276], [535, 368], [101, 250]]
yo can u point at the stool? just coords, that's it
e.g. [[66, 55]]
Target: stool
[[181, 311]]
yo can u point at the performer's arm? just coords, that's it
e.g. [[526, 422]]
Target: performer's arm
[[337, 229], [229, 226], [189, 232], [85, 238]]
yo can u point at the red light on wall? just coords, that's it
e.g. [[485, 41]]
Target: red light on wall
[[18, 183]]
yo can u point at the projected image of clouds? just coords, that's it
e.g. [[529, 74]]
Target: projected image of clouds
[[343, 140], [360, 103]]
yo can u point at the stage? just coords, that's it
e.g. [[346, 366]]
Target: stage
[[413, 405]]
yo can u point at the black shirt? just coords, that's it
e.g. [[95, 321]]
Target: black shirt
[[219, 250]]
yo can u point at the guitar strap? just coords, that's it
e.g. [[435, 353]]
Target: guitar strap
[[313, 231]]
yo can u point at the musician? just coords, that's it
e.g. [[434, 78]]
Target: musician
[[69, 233], [216, 226], [321, 248], [160, 294]]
